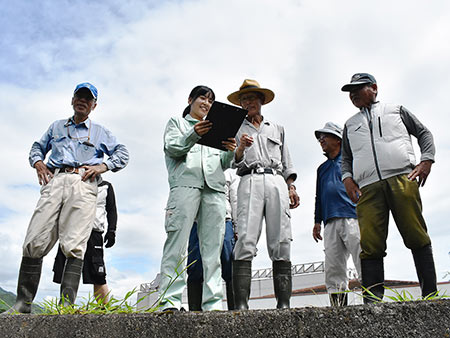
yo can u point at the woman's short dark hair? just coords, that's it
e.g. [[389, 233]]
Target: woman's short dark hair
[[195, 93]]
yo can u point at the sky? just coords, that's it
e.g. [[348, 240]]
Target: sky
[[146, 56]]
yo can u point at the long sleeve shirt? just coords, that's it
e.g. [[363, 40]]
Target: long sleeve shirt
[[331, 198], [376, 143], [190, 164], [80, 144], [106, 208]]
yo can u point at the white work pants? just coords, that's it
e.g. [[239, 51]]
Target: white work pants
[[185, 205], [341, 239], [263, 196], [65, 211]]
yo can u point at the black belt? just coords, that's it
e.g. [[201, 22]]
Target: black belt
[[260, 171]]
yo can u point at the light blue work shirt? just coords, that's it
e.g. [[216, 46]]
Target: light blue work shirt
[[80, 144]]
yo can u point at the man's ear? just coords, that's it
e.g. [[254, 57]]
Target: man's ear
[[374, 88], [189, 100]]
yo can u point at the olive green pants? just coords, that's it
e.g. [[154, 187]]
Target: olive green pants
[[400, 196]]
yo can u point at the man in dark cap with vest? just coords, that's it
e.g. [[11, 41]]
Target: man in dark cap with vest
[[266, 190], [66, 208], [380, 174]]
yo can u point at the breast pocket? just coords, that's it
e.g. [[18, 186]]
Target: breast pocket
[[85, 152], [274, 148]]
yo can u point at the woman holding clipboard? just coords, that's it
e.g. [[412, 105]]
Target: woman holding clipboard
[[197, 192]]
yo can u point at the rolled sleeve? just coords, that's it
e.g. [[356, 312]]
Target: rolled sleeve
[[40, 148], [288, 167], [118, 158]]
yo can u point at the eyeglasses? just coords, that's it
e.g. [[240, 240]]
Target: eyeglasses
[[322, 136]]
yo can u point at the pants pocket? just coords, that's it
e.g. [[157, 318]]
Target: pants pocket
[[98, 266]]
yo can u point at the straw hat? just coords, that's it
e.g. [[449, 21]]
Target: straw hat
[[251, 86]]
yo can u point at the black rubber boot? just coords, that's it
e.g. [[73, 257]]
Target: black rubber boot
[[372, 271], [194, 291], [70, 280], [27, 285], [426, 272], [338, 299], [282, 283], [230, 296], [242, 277]]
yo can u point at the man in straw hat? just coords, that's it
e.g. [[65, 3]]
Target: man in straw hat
[[266, 190], [380, 174], [337, 212]]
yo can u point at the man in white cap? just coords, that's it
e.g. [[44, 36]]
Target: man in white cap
[[337, 212], [66, 208], [266, 190], [380, 174]]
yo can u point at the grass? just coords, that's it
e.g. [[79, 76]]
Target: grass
[[99, 306], [400, 296]]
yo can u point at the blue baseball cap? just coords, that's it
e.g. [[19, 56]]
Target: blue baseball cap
[[357, 80], [89, 86]]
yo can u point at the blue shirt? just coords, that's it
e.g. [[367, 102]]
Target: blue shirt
[[80, 144], [331, 198]]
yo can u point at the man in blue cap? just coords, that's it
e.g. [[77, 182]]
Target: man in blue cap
[[66, 208], [379, 172]]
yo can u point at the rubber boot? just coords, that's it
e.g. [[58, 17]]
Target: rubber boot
[[338, 299], [426, 272], [282, 283], [230, 296], [27, 285], [242, 277], [372, 271], [194, 292], [70, 280]]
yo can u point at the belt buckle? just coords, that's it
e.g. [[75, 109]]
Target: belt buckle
[[259, 170], [70, 170]]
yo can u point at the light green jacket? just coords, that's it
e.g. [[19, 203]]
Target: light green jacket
[[190, 164]]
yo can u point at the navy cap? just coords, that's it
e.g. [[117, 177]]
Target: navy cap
[[357, 80], [89, 86]]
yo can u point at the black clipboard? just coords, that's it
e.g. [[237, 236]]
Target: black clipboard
[[227, 120]]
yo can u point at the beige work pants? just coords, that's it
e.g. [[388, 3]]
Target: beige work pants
[[65, 211]]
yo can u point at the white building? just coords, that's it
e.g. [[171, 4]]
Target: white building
[[308, 289]]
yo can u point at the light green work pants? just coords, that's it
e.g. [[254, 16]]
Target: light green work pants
[[401, 196], [185, 205]]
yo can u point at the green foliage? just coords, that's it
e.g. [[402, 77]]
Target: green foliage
[[99, 305], [93, 305], [400, 296]]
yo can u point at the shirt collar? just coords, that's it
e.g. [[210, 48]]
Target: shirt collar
[[190, 118], [71, 121]]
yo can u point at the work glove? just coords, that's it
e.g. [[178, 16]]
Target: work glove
[[110, 239]]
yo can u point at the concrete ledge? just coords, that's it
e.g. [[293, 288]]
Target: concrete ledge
[[411, 319]]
